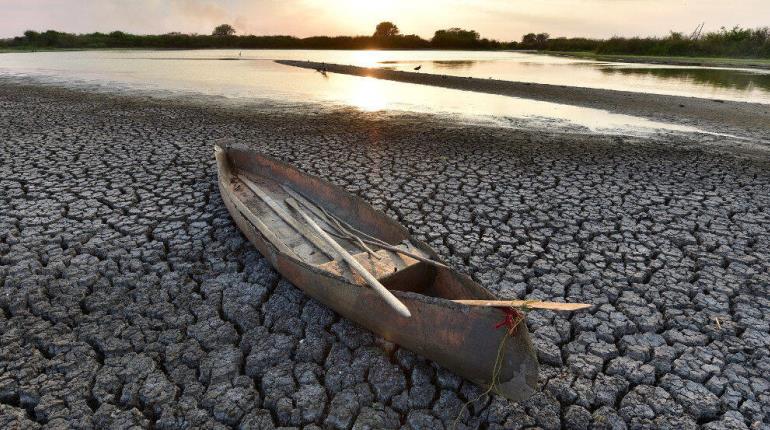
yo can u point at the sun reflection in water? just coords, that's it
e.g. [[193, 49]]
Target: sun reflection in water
[[370, 58], [368, 94]]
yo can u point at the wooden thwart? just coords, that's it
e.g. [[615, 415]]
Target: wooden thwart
[[529, 304]]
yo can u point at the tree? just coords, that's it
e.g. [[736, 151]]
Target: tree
[[386, 29], [32, 36], [223, 30], [456, 38], [529, 39], [533, 40]]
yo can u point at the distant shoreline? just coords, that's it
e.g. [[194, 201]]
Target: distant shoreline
[[721, 116], [752, 63]]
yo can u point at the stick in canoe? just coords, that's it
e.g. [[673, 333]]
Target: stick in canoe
[[527, 304], [324, 216], [356, 234], [380, 289], [288, 219]]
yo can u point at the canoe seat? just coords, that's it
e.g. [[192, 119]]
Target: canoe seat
[[388, 264]]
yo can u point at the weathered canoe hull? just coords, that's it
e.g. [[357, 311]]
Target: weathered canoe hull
[[460, 338]]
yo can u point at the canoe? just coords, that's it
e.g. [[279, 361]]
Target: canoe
[[268, 200]]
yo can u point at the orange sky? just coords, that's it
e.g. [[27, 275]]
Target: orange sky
[[501, 19]]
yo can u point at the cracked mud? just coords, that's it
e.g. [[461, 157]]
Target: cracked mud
[[129, 298]]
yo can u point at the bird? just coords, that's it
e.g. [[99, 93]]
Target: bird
[[418, 67]]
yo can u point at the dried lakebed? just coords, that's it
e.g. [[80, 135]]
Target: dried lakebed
[[130, 298]]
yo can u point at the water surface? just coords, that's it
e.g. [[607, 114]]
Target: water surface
[[253, 76], [750, 85]]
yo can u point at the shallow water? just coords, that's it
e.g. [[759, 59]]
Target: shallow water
[[749, 85], [255, 77]]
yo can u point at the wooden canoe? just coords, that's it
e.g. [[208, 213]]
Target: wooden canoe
[[257, 190]]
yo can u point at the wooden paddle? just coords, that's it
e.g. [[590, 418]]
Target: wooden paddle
[[380, 289], [287, 218], [530, 304]]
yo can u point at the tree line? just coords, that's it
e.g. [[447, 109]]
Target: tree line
[[386, 36], [734, 42]]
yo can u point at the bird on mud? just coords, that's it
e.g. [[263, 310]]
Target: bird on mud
[[418, 67]]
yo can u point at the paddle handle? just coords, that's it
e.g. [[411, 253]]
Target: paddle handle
[[531, 304], [380, 289]]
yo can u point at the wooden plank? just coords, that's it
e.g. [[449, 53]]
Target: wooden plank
[[286, 217], [226, 175], [387, 264], [380, 289], [530, 304], [264, 229]]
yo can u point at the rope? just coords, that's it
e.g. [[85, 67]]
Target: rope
[[511, 321]]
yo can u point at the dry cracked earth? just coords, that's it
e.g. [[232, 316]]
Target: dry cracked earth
[[129, 299]]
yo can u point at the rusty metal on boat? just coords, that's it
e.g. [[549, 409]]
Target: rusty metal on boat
[[260, 192]]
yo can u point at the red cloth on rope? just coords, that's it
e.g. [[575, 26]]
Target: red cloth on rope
[[511, 320]]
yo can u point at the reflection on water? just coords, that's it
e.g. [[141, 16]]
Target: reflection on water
[[438, 64], [367, 95], [728, 84], [721, 78], [454, 64], [256, 78], [751, 85]]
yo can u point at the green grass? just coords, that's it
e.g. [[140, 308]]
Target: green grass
[[761, 63]]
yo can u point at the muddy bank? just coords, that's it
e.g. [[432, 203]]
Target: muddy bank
[[130, 298], [724, 116]]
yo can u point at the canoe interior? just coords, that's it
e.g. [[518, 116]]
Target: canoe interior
[[397, 272]]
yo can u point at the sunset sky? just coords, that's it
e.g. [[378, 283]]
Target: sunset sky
[[500, 19]]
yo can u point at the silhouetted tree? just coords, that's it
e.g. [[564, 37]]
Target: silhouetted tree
[[456, 38], [223, 30], [529, 39], [32, 37], [386, 29], [538, 41]]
